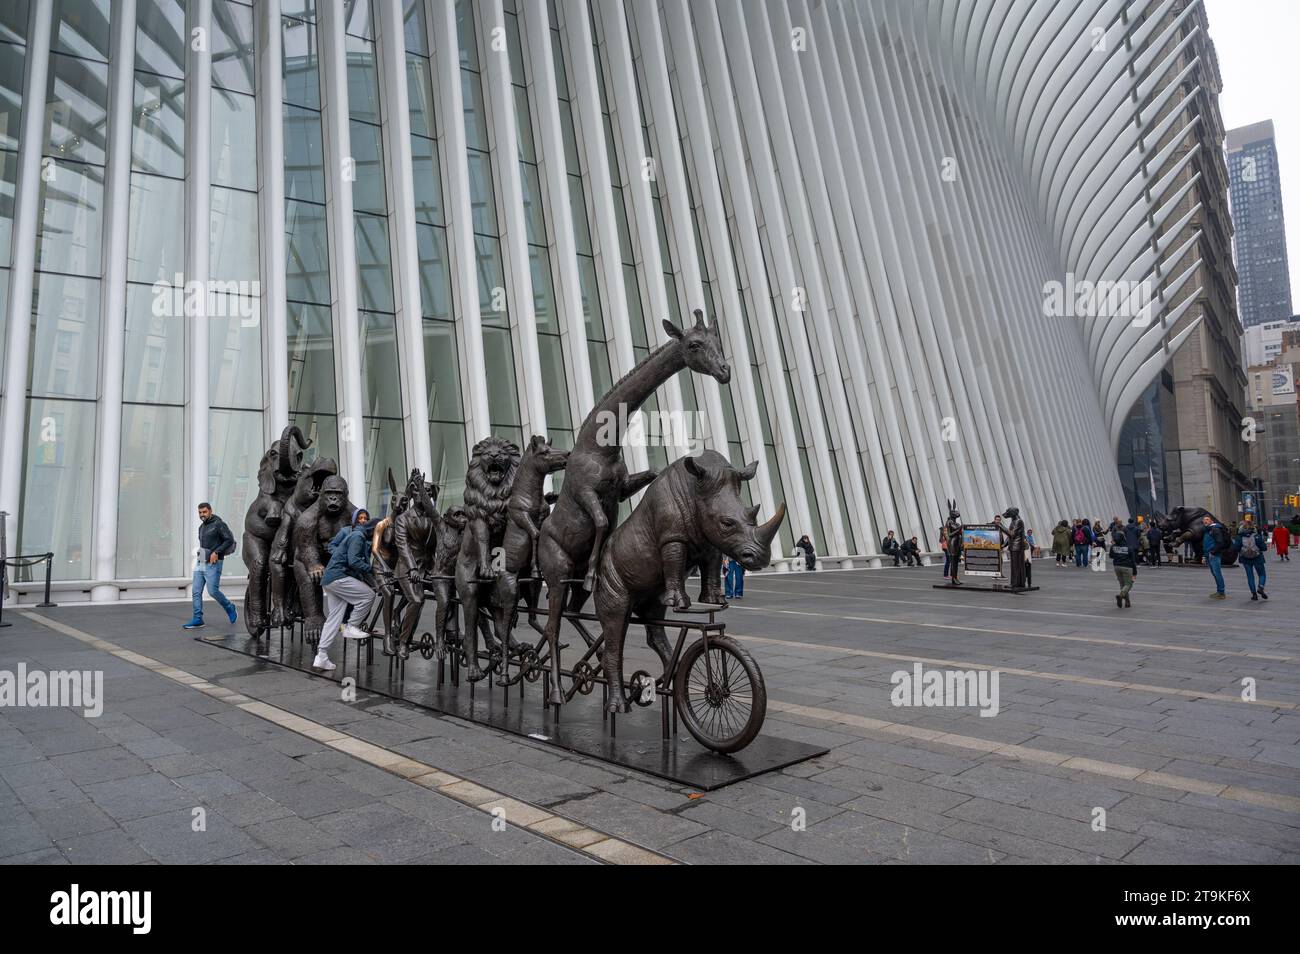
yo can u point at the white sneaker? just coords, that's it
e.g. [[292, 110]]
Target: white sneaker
[[348, 631], [322, 662]]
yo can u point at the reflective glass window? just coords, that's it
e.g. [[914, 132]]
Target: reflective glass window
[[156, 229], [306, 253], [70, 220], [311, 358], [153, 367], [158, 118], [232, 46], [152, 538], [234, 140], [233, 248], [64, 356], [76, 109], [56, 515]]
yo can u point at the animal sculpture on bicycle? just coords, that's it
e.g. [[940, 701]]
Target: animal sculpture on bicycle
[[689, 518]]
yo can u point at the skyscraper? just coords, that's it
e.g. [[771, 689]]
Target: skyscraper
[[1263, 282]]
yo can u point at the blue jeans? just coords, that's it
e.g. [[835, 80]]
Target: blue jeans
[[1252, 567], [1081, 554], [735, 585], [209, 574], [1216, 567]]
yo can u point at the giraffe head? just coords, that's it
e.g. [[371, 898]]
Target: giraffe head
[[701, 346]]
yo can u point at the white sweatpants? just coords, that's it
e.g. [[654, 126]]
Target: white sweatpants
[[344, 592]]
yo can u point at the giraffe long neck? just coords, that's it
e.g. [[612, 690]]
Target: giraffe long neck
[[627, 396]]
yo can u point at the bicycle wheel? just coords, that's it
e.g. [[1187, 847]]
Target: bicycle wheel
[[721, 698]]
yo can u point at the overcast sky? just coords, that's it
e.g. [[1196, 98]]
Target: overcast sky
[[1258, 42]]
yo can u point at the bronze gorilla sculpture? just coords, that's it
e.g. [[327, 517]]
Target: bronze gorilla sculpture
[[277, 476]]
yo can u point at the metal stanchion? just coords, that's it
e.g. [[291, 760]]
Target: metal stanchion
[[46, 558], [49, 569]]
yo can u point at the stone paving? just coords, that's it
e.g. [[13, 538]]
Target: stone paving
[[1131, 718]]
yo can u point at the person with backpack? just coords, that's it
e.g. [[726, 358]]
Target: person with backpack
[[216, 542], [1124, 559], [348, 581], [1215, 541], [1251, 544], [1080, 537]]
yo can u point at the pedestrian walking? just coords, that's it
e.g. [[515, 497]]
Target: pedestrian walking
[[216, 542], [734, 586], [348, 581], [1282, 542], [1250, 544], [1123, 558]]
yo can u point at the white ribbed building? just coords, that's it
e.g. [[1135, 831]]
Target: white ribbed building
[[428, 220]]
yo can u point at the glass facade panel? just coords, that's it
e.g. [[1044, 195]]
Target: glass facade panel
[[160, 38], [64, 357], [235, 447], [375, 276], [56, 516], [153, 370], [156, 230], [152, 535], [234, 140], [158, 139], [13, 60], [70, 225], [307, 253], [235, 356], [304, 156], [380, 382], [232, 46], [301, 63], [311, 359], [233, 248]]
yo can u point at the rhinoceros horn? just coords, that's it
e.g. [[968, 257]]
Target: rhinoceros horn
[[765, 533]]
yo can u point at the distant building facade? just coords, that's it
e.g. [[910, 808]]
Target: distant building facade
[[1263, 281]]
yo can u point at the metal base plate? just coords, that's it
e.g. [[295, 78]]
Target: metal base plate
[[632, 740], [986, 589]]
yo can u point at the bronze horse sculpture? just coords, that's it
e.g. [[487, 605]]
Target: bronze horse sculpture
[[596, 480]]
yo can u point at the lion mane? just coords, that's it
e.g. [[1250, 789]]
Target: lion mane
[[485, 500]]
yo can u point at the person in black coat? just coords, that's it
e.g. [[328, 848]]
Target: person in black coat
[[891, 547], [805, 544]]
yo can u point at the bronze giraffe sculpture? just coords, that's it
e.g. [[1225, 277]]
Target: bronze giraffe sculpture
[[596, 479]]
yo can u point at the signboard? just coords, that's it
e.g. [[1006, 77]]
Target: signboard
[[1283, 383], [981, 549]]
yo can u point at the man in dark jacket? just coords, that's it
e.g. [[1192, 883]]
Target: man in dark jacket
[[1215, 541], [216, 542], [1154, 539], [348, 581], [890, 547], [1123, 557], [911, 552]]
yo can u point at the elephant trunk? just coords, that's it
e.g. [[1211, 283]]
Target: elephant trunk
[[291, 433]]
